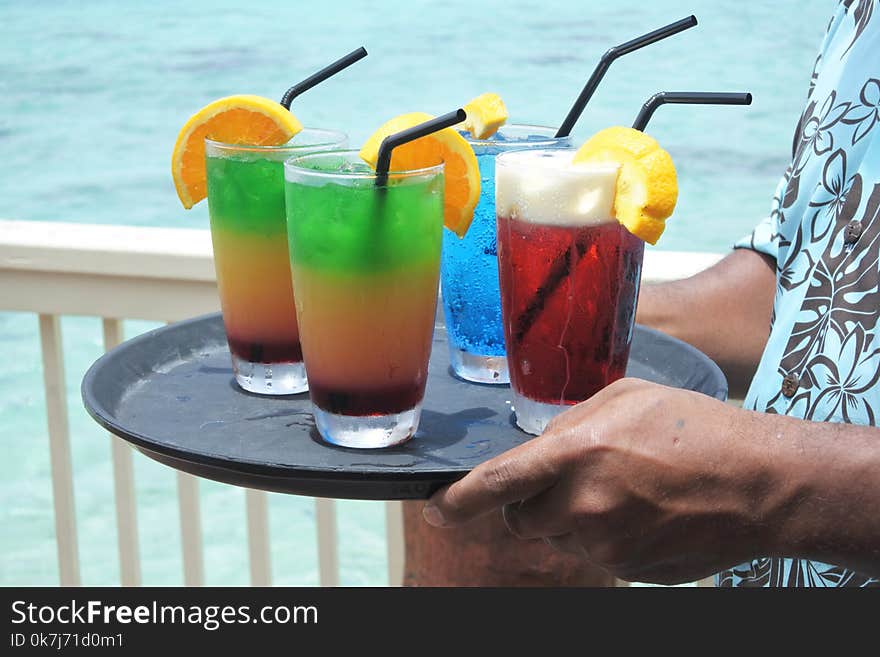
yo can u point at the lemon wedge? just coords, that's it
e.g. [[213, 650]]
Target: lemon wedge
[[647, 186], [485, 114]]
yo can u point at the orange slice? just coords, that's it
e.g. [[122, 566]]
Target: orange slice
[[461, 173], [252, 120], [647, 185]]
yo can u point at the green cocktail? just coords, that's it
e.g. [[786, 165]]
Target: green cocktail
[[365, 262], [249, 232]]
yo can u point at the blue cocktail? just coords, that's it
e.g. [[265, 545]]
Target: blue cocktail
[[469, 266]]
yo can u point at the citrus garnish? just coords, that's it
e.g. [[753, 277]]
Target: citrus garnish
[[244, 119], [647, 186], [485, 114], [461, 173]]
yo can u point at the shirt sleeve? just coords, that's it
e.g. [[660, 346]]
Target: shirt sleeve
[[764, 238]]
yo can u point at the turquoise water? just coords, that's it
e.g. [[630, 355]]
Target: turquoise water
[[92, 96]]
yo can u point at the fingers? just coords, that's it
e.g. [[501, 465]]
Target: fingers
[[569, 544], [550, 513], [526, 470], [518, 474]]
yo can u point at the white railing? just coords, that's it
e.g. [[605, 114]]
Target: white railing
[[159, 274]]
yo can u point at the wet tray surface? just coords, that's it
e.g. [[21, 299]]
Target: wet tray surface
[[171, 394]]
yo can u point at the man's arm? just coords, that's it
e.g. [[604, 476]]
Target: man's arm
[[723, 311], [663, 485]]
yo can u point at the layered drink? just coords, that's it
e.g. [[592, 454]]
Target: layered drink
[[365, 258], [245, 186]]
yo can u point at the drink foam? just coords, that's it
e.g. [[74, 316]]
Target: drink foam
[[545, 187]]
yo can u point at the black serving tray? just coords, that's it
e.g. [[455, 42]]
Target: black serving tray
[[171, 394]]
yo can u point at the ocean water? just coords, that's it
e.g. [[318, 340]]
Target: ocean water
[[93, 93]]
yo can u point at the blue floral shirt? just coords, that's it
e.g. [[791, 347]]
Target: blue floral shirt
[[822, 360]]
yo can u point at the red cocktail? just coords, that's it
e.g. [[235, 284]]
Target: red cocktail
[[569, 281]]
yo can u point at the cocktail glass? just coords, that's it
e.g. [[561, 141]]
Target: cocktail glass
[[570, 278], [249, 233], [469, 266], [365, 259]]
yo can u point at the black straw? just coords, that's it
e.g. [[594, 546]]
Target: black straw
[[605, 63], [687, 98], [322, 75], [560, 269], [383, 162]]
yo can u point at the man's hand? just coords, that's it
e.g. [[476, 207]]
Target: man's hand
[[662, 485], [634, 479]]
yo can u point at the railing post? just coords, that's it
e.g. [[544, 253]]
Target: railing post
[[123, 486], [59, 450], [190, 529], [257, 507], [395, 542], [328, 555]]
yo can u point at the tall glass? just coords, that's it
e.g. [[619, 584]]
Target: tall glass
[[249, 233], [365, 259], [469, 266], [570, 278]]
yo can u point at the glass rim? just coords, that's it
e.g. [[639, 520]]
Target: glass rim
[[549, 140], [508, 158], [292, 164], [334, 138]]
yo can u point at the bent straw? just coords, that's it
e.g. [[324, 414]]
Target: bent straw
[[323, 74], [561, 267], [687, 98], [605, 63], [383, 162]]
